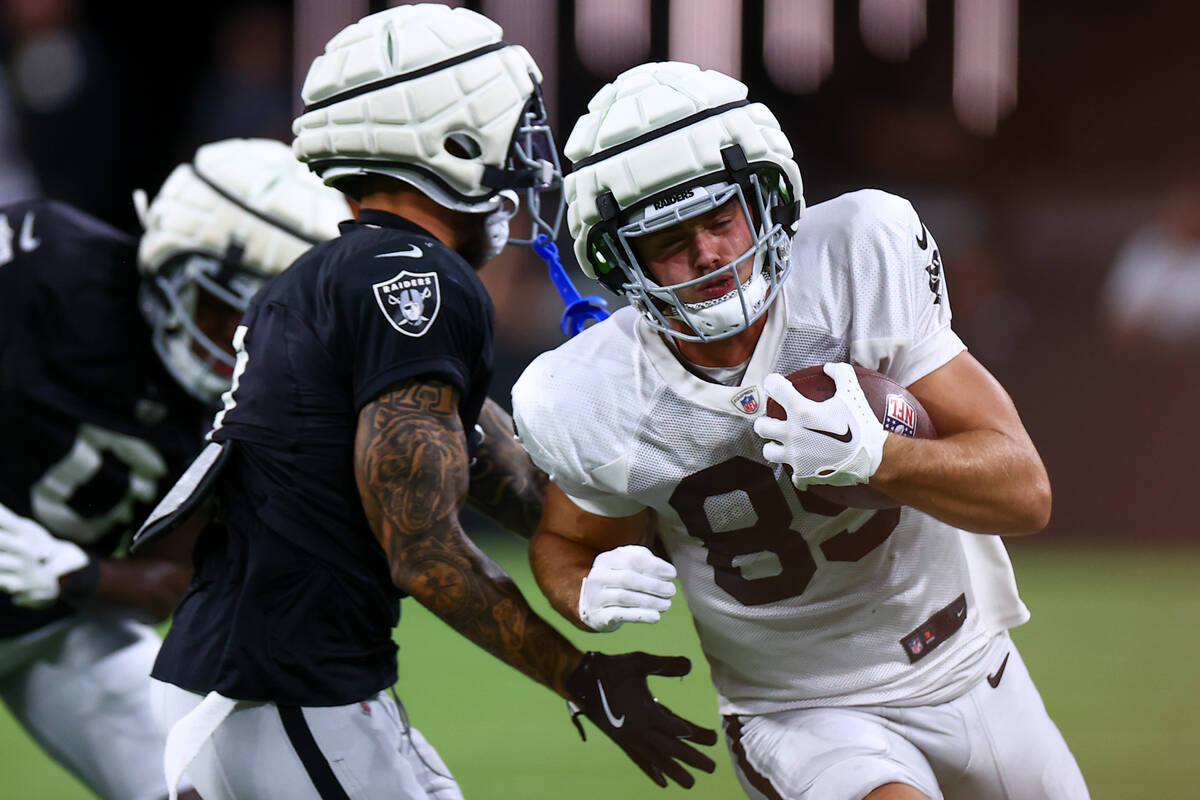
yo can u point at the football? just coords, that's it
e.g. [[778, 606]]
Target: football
[[895, 407]]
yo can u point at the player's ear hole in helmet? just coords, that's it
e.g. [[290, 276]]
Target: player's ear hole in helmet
[[218, 229], [434, 97], [461, 144], [634, 175]]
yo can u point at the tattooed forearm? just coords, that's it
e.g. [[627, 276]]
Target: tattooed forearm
[[411, 467], [505, 485], [411, 451]]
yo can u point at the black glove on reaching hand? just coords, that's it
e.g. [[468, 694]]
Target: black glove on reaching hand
[[612, 692]]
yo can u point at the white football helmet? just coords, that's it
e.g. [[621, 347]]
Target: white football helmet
[[665, 142], [241, 212], [434, 97]]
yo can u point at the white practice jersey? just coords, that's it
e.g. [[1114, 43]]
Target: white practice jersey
[[798, 602]]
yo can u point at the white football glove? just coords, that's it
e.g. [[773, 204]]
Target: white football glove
[[838, 441], [626, 584], [32, 560]]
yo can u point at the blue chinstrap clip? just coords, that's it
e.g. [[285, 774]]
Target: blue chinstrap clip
[[578, 309]]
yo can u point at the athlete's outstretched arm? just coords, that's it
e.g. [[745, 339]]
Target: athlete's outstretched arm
[[38, 568], [410, 463], [156, 577], [983, 472], [505, 485]]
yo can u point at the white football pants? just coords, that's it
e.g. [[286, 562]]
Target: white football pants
[[81, 688], [261, 751], [993, 743]]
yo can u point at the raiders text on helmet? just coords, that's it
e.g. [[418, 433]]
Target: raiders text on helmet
[[434, 97], [241, 212], [665, 142]]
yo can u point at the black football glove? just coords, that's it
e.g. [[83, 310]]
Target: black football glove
[[612, 692]]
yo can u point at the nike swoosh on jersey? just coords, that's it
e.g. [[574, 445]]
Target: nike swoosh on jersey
[[841, 437], [616, 722], [994, 680], [923, 239], [412, 252]]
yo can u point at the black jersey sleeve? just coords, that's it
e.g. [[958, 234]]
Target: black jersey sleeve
[[411, 316], [18, 275], [57, 265]]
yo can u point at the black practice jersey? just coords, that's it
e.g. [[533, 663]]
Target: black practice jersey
[[92, 428], [292, 600]]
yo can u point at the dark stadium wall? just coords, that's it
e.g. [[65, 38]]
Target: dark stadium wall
[[1029, 219]]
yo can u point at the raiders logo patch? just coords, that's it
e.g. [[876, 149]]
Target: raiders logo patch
[[410, 301]]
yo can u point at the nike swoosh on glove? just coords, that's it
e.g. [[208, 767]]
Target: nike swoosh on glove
[[838, 441], [32, 560], [611, 691], [625, 584]]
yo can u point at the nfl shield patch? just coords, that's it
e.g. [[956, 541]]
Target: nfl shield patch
[[747, 401], [410, 301], [900, 417]]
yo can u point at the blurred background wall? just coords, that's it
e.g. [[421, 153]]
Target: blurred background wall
[[1049, 147]]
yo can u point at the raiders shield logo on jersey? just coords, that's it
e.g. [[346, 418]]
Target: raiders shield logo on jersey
[[410, 301]]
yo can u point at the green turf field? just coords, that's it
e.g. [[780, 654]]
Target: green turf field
[[1112, 646]]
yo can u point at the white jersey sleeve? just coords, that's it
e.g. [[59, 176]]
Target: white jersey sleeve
[[889, 299], [574, 433]]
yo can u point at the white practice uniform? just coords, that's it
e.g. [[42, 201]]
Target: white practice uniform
[[360, 751], [799, 603], [80, 686]]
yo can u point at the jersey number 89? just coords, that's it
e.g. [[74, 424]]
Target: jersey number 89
[[730, 552]]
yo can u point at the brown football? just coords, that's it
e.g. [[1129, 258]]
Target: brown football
[[895, 407]]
